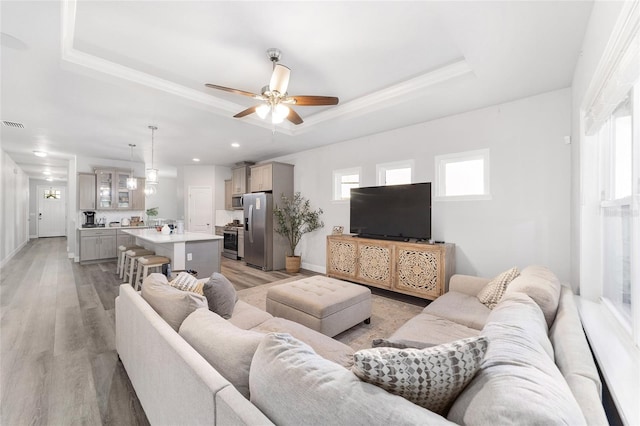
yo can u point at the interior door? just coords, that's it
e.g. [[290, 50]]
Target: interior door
[[200, 209], [51, 211]]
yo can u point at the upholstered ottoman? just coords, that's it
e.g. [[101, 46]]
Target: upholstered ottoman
[[323, 304]]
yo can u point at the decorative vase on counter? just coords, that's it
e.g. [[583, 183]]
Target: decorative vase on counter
[[166, 230]]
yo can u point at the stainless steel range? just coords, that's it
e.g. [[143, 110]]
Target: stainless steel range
[[230, 247]]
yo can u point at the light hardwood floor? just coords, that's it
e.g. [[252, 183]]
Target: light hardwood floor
[[58, 360]]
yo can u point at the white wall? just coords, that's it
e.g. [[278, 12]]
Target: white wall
[[601, 23], [14, 208], [526, 221], [166, 199]]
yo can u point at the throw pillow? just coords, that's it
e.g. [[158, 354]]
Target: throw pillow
[[292, 385], [221, 295], [431, 377], [171, 304], [187, 282], [493, 291], [226, 347]]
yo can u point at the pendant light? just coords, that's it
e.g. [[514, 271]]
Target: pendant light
[[132, 183], [152, 174]]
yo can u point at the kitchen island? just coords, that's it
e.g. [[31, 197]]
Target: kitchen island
[[191, 250]]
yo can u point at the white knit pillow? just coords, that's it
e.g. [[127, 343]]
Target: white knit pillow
[[493, 291], [187, 282], [431, 377]]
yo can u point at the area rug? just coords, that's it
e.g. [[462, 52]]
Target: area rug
[[388, 314]]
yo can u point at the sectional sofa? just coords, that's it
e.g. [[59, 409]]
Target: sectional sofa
[[254, 369]]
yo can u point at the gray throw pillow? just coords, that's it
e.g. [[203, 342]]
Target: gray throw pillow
[[221, 295]]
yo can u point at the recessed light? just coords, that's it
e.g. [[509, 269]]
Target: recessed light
[[49, 179], [39, 153], [46, 172], [235, 145], [196, 160]]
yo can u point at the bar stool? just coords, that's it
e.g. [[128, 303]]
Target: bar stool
[[130, 257], [120, 264], [145, 263]]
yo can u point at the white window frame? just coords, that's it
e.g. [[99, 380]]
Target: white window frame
[[441, 162], [337, 181], [381, 170]]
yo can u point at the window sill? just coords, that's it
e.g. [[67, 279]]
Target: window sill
[[617, 357]]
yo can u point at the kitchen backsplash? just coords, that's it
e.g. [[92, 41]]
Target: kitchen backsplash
[[226, 216], [116, 216]]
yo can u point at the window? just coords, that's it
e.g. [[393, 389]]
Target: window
[[343, 181], [463, 176], [52, 194], [397, 173], [616, 145]]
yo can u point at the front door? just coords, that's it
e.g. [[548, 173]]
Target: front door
[[200, 214], [51, 211]]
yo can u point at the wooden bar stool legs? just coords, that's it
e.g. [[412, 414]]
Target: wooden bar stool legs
[[130, 257], [120, 264], [145, 263]]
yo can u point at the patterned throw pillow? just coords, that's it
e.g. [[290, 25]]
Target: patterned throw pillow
[[187, 282], [431, 377], [492, 293]]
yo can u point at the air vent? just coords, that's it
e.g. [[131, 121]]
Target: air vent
[[13, 124]]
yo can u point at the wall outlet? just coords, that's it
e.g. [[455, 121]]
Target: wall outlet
[[189, 256]]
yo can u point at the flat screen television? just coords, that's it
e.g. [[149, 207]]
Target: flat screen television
[[397, 212]]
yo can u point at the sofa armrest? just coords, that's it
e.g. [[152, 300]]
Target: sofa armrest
[[467, 284]]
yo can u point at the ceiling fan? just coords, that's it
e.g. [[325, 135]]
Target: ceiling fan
[[275, 98]]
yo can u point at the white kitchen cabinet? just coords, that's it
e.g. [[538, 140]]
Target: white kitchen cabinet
[[240, 177], [112, 192]]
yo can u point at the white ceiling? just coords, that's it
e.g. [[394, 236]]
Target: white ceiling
[[87, 77]]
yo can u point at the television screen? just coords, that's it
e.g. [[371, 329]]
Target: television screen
[[394, 212]]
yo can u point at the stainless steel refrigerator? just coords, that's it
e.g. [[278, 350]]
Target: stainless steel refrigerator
[[262, 249]]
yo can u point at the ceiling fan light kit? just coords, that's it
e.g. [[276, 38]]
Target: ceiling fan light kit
[[275, 96]]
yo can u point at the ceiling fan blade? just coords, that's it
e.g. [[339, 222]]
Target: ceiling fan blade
[[279, 79], [314, 100], [236, 91], [246, 112], [294, 117]]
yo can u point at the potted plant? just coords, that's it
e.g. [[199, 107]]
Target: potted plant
[[294, 218], [151, 212]]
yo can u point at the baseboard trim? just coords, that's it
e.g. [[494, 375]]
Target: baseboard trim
[[13, 253]]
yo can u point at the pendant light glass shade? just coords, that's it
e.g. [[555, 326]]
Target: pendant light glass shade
[[152, 174], [150, 190], [132, 183]]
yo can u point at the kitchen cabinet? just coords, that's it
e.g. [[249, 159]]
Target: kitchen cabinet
[[271, 176], [86, 191], [97, 244], [124, 239], [228, 187], [240, 176], [112, 192]]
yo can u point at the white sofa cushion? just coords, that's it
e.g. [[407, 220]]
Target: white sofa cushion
[[171, 304], [226, 347], [518, 382], [431, 377], [542, 286], [293, 385], [460, 308]]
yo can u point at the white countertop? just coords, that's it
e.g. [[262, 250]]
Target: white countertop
[[80, 228], [153, 236]]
